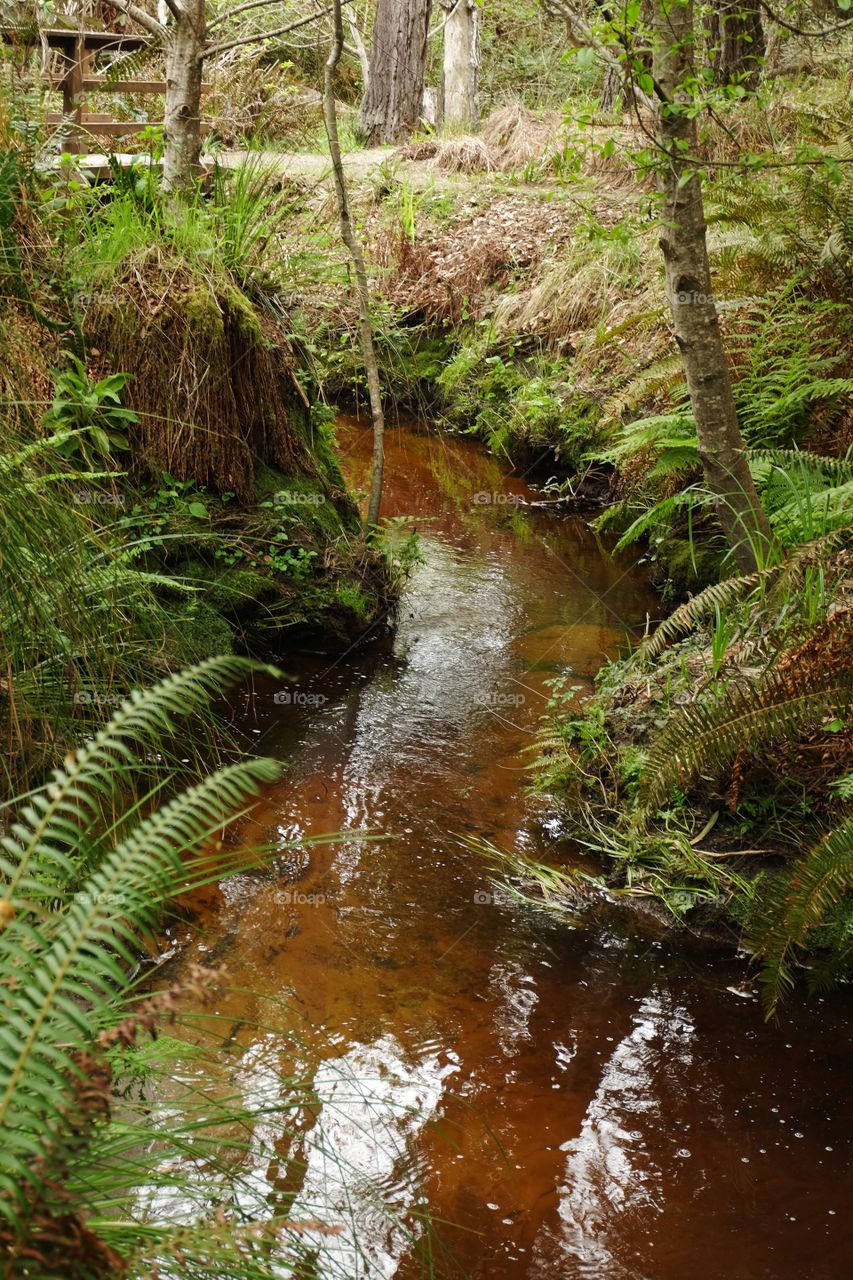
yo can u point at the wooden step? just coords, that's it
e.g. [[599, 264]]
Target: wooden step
[[99, 84], [114, 128]]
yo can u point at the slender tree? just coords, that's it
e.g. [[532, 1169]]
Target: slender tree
[[350, 239], [691, 296], [669, 94], [393, 99]]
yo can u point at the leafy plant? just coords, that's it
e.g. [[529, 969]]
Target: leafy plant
[[87, 419]]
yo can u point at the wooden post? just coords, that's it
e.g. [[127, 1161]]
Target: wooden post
[[72, 92]]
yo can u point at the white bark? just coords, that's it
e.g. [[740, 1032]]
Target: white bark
[[184, 58], [461, 65]]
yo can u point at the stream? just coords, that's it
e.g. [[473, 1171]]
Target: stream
[[562, 1102]]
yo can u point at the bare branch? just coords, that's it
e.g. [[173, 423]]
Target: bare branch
[[358, 50], [174, 9], [449, 10], [240, 8], [798, 31], [151, 25], [582, 36], [258, 36]]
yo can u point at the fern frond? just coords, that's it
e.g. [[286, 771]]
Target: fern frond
[[718, 596], [701, 739], [126, 66], [816, 884], [662, 512], [37, 846], [664, 375], [820, 463], [811, 513], [662, 430], [59, 983]]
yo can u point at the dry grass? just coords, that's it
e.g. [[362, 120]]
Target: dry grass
[[464, 154], [577, 289], [467, 154], [515, 136], [459, 270], [206, 376]]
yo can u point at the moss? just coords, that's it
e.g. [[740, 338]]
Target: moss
[[242, 313], [202, 309], [237, 592], [352, 596], [203, 631], [687, 567]]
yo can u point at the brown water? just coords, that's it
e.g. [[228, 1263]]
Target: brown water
[[568, 1103]]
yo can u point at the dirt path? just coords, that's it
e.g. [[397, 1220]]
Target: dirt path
[[307, 164]]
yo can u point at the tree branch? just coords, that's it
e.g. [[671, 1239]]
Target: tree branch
[[798, 31], [241, 8], [257, 36], [151, 25], [359, 50], [449, 10], [586, 38]]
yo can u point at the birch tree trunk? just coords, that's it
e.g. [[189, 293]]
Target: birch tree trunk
[[350, 239], [689, 291], [183, 97], [461, 65], [392, 104]]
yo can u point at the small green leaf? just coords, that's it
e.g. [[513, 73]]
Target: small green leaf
[[199, 510]]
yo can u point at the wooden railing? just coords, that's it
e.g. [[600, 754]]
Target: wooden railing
[[77, 52]]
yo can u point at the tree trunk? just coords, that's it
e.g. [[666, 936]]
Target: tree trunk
[[461, 66], [694, 312], [736, 40], [183, 97], [392, 103], [350, 239], [612, 90]]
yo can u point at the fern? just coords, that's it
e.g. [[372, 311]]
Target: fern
[[779, 582], [662, 513], [70, 940], [666, 374], [817, 882], [704, 737], [717, 597], [788, 459], [657, 433], [37, 847]]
